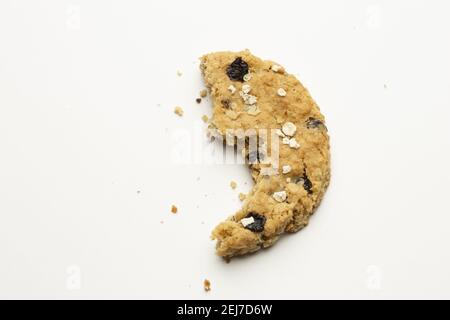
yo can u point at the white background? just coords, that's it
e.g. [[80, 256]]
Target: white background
[[87, 91]]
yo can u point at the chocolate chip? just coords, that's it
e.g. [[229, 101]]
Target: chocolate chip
[[237, 69], [226, 103], [307, 184], [313, 123], [259, 223], [198, 100]]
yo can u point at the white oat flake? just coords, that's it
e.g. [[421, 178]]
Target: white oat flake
[[247, 77], [248, 98], [253, 110], [275, 68], [232, 89], [280, 196], [252, 99], [247, 221], [286, 140], [281, 92], [294, 144], [246, 88], [286, 169], [289, 129]]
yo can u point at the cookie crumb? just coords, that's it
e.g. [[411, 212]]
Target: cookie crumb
[[242, 196], [286, 140], [203, 93], [280, 196], [232, 89], [281, 92], [289, 129], [198, 100], [286, 169], [233, 185], [205, 118], [178, 111], [207, 285], [179, 73], [174, 209]]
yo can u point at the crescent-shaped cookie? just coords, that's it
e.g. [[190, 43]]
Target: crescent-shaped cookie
[[291, 163]]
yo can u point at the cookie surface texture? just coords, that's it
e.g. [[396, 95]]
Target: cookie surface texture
[[291, 163]]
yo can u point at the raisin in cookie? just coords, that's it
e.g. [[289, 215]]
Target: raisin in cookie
[[250, 93]]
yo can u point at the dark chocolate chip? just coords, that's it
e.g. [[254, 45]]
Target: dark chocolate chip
[[259, 223], [237, 69], [198, 100], [307, 184], [313, 123], [226, 103]]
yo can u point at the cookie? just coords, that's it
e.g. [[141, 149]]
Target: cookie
[[290, 165]]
